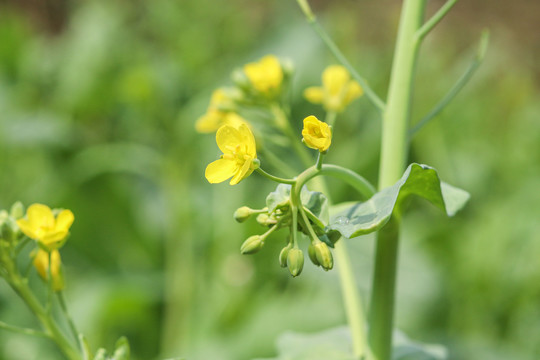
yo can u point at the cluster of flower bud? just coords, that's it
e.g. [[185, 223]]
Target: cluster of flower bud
[[291, 256]]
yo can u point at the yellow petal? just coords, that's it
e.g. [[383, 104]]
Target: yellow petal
[[242, 173], [53, 239], [209, 122], [228, 138], [248, 140], [354, 91], [220, 170], [40, 215], [27, 228], [314, 94], [234, 120], [334, 79], [64, 220], [266, 74], [316, 134], [41, 263]]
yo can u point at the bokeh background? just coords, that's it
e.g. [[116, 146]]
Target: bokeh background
[[98, 101]]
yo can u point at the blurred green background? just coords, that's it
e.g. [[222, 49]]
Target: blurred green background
[[97, 105]]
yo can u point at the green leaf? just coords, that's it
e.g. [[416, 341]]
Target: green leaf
[[278, 198], [406, 349], [365, 217], [334, 344], [315, 203]]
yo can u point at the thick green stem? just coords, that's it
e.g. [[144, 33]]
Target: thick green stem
[[394, 151]]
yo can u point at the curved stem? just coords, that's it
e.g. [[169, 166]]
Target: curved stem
[[275, 178]]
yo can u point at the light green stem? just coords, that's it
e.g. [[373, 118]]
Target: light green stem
[[24, 331], [51, 328], [275, 178], [394, 150]]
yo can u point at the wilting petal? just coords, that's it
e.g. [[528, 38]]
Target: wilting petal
[[220, 170]]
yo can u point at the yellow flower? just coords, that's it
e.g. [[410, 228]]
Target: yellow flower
[[239, 155], [338, 89], [41, 263], [266, 75], [316, 134], [41, 225], [215, 116]]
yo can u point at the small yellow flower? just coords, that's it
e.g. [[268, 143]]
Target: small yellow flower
[[239, 155], [316, 134], [338, 89], [215, 116], [266, 75], [41, 263], [41, 225]]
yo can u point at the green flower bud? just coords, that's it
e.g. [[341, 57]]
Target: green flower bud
[[295, 261], [17, 210], [324, 256], [252, 245], [283, 255], [242, 214], [312, 255], [266, 220]]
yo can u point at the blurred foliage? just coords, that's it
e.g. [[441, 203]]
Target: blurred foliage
[[98, 117]]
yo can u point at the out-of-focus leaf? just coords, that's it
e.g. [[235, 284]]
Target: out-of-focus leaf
[[406, 349], [122, 350], [365, 217], [334, 344]]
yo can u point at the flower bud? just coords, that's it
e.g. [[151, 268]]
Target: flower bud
[[266, 220], [324, 256], [295, 261], [283, 255], [17, 210], [252, 245], [312, 255], [242, 214]]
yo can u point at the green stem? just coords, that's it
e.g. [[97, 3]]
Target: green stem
[[319, 163], [434, 20], [394, 150], [284, 125], [67, 316], [462, 81], [351, 298], [24, 331], [275, 178], [51, 328], [350, 177], [330, 118]]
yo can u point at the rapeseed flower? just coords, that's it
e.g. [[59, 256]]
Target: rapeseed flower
[[338, 89], [41, 263], [316, 134], [41, 225], [216, 116], [266, 75], [239, 157]]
